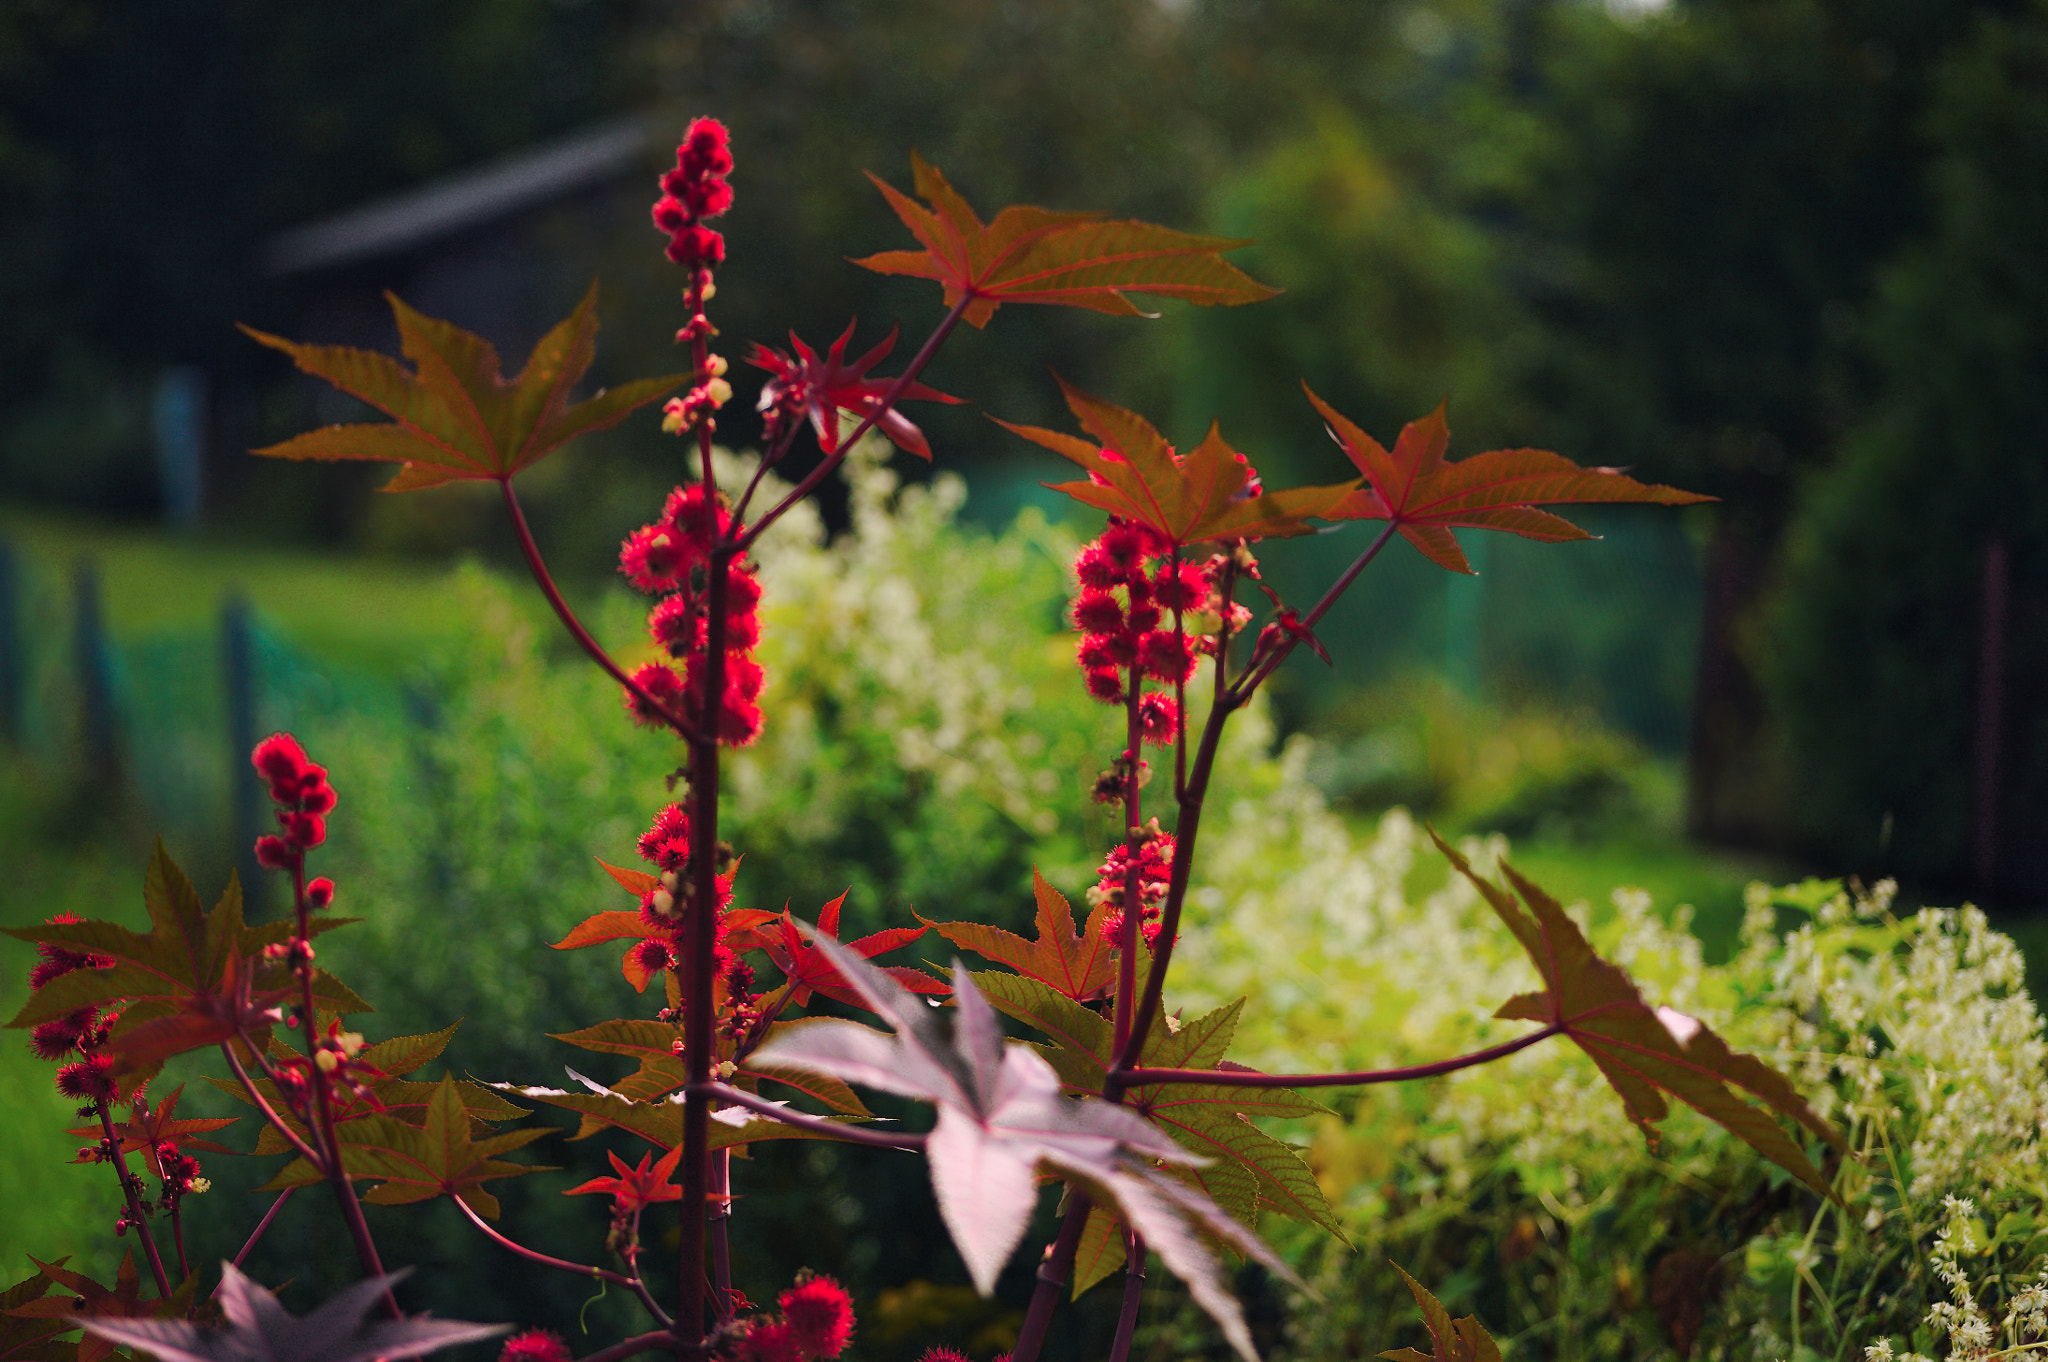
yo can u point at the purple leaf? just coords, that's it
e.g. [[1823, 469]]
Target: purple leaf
[[259, 1330], [1002, 1120]]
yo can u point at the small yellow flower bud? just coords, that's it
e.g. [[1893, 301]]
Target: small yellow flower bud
[[327, 1060]]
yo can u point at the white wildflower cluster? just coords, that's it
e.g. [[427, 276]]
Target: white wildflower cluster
[[975, 688]]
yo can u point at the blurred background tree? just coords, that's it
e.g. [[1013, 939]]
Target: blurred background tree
[[1753, 247]]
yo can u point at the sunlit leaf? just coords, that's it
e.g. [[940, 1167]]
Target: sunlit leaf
[[455, 416], [1002, 1120], [1425, 496], [1078, 964], [1030, 255], [1644, 1052], [1209, 493]]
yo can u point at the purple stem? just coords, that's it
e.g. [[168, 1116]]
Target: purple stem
[[643, 1343], [1251, 682], [1246, 1078], [732, 1096], [563, 1264], [261, 1226], [1052, 1275], [882, 408], [575, 626], [305, 1151], [1134, 1291], [156, 1263]]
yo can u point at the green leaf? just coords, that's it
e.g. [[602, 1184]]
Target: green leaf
[[659, 1121], [189, 980], [1644, 1052], [419, 1163], [456, 416], [1211, 1120], [1031, 255]]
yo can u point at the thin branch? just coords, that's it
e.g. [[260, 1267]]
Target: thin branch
[[722, 1092], [876, 413], [770, 457], [156, 1263], [1246, 1078], [305, 1151], [261, 1226], [563, 1264], [575, 627], [1248, 683], [633, 1347]]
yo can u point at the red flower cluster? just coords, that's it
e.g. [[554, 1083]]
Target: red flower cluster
[[305, 797], [1155, 868], [1131, 594], [666, 846], [816, 1322], [535, 1345], [77, 1036], [672, 558], [337, 1058], [695, 190]]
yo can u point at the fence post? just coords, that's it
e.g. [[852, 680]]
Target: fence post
[[238, 666], [101, 741], [13, 660]]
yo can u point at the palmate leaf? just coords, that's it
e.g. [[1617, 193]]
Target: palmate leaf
[[1031, 255], [188, 981], [1080, 965], [1644, 1052], [455, 415], [148, 1127], [658, 1120], [411, 1163], [1460, 1340], [25, 1336], [662, 1071], [1189, 498], [810, 970], [390, 1094], [259, 1330], [1002, 1121], [94, 1304], [739, 924], [1248, 1168], [1425, 496]]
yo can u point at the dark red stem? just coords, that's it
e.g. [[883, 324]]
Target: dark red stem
[[1134, 1292], [643, 1343], [720, 1216], [1052, 1275], [1246, 1078], [261, 1226], [632, 1283], [305, 1151], [596, 652], [1251, 681], [156, 1262], [323, 1107]]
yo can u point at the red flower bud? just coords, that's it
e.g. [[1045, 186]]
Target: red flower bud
[[273, 854], [320, 893]]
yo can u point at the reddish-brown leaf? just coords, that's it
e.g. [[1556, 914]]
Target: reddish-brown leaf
[[1208, 493], [811, 972], [147, 1129], [637, 1187], [1031, 255], [1461, 1340], [455, 415], [1644, 1052], [1080, 965], [1425, 496]]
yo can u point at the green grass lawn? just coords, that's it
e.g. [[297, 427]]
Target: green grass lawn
[[358, 613]]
